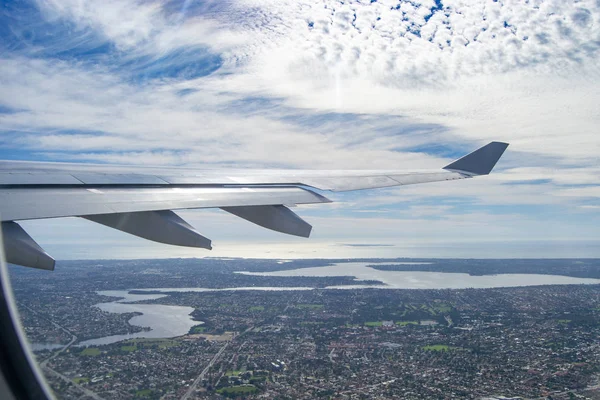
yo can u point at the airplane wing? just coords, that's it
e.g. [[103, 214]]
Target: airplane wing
[[140, 200]]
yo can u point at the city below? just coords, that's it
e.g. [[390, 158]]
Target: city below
[[307, 329]]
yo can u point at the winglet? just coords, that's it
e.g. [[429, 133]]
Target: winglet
[[481, 161]]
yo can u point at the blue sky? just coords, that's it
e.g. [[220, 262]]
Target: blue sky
[[328, 84]]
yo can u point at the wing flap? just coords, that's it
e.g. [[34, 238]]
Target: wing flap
[[21, 249], [277, 218], [159, 226]]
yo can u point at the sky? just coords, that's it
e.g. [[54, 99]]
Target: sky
[[320, 85]]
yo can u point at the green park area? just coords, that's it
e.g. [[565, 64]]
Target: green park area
[[143, 393], [404, 323], [440, 308], [235, 391], [197, 329], [90, 351], [257, 308], [437, 347], [434, 309], [310, 323], [80, 380]]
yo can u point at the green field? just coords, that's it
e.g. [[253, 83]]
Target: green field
[[433, 309], [197, 329], [564, 321], [82, 379], [129, 348], [442, 307], [438, 308], [404, 323], [374, 323], [90, 351], [143, 393], [437, 347], [238, 390], [257, 308], [233, 373]]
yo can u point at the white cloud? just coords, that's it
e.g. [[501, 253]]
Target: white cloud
[[523, 72], [140, 26], [586, 192], [559, 175], [153, 124]]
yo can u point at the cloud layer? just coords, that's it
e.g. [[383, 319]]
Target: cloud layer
[[327, 84]]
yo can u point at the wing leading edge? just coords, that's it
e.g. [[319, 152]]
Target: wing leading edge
[[140, 200]]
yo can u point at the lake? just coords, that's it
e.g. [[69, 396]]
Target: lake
[[163, 321]]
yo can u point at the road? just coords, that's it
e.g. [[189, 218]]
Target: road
[[331, 354], [357, 390], [448, 320], [78, 386], [44, 363], [197, 381]]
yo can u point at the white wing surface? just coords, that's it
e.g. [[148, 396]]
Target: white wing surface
[[140, 200]]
